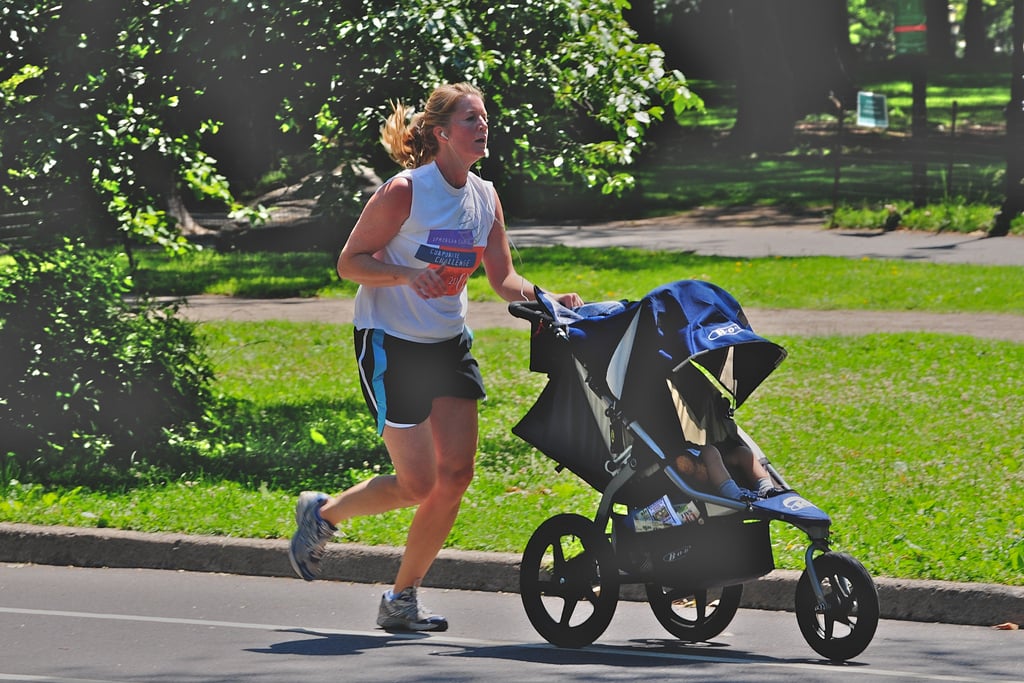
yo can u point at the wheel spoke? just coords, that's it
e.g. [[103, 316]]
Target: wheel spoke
[[828, 625], [551, 588], [700, 599], [559, 557], [568, 607]]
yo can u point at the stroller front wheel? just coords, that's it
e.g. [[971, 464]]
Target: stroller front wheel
[[843, 627], [568, 581], [694, 616]]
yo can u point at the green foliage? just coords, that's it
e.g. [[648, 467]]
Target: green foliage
[[90, 383], [89, 123], [572, 94], [110, 106], [953, 216]]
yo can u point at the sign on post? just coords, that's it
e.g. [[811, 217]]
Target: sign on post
[[872, 110]]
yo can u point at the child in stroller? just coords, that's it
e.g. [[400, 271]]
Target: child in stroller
[[633, 386], [709, 468]]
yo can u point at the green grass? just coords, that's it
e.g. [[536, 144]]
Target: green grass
[[613, 273], [980, 96], [911, 442]]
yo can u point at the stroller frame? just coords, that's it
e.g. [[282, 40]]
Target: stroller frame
[[836, 602]]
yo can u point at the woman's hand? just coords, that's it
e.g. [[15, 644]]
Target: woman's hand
[[428, 283], [570, 300]]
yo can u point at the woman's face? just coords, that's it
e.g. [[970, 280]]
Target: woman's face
[[467, 128]]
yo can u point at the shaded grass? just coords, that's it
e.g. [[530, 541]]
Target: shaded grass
[[912, 443]]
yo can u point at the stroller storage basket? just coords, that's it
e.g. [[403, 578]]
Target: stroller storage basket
[[720, 552]]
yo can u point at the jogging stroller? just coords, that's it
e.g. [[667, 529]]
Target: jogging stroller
[[631, 385]]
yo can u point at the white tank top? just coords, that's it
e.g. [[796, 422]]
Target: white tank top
[[447, 230]]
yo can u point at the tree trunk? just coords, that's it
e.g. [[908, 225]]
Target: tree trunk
[[940, 32], [1013, 205], [765, 115], [791, 60], [977, 47]]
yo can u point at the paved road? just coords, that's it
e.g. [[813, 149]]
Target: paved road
[[769, 232], [74, 625]]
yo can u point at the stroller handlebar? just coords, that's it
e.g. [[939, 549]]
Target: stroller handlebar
[[539, 317], [530, 310]]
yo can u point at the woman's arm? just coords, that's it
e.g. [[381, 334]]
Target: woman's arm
[[380, 221], [501, 273]]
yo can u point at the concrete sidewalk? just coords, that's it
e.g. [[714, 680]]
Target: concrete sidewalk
[[769, 322], [767, 231]]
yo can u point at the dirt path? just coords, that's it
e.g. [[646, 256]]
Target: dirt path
[[766, 321]]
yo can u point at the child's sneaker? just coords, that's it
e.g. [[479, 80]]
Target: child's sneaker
[[406, 613], [310, 539]]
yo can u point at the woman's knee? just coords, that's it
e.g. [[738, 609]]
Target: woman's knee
[[448, 483], [415, 489], [458, 479]]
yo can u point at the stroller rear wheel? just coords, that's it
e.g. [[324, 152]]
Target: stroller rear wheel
[[568, 581], [843, 627], [694, 616]]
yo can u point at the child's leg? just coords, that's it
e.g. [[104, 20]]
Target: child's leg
[[719, 476], [717, 472], [709, 468], [693, 469], [742, 459]]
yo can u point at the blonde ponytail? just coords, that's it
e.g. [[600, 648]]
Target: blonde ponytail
[[407, 136]]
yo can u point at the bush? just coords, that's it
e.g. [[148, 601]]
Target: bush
[[91, 381]]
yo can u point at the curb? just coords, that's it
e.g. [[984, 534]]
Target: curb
[[972, 604]]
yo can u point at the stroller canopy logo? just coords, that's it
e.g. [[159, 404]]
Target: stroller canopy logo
[[724, 331], [796, 503]]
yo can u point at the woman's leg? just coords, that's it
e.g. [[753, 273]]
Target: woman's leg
[[411, 451], [453, 431], [434, 464]]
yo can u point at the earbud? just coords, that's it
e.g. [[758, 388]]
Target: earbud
[[444, 135]]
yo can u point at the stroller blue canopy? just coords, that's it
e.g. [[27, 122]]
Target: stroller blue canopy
[[675, 325]]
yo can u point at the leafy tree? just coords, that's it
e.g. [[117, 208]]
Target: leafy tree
[[571, 94], [91, 382], [86, 114], [112, 105]]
